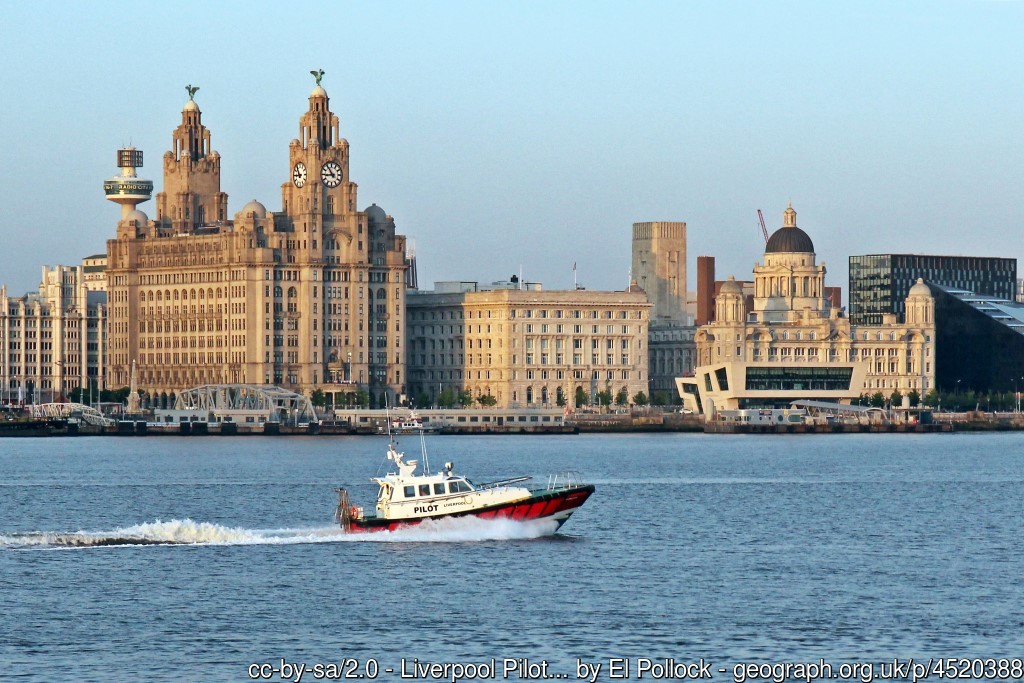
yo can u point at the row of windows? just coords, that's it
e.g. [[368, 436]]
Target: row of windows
[[459, 314], [457, 486]]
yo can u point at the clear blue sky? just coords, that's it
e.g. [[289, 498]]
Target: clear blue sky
[[534, 134]]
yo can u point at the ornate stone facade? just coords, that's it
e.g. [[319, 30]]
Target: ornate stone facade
[[794, 345], [672, 354], [528, 347], [312, 296], [52, 340]]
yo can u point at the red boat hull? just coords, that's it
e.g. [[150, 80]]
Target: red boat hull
[[557, 505]]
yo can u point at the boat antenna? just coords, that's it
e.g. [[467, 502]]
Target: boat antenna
[[423, 451], [391, 437], [387, 419]]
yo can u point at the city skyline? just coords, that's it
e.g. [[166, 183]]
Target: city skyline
[[526, 136]]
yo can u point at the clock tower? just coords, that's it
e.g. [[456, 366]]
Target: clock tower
[[319, 200], [354, 329]]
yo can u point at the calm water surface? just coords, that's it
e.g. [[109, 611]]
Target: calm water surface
[[731, 548]]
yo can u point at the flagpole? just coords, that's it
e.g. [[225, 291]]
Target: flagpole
[[574, 283]]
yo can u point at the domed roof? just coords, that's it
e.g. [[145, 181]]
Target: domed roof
[[255, 208], [730, 286], [375, 214], [920, 289], [789, 238], [138, 216], [318, 91], [191, 106]]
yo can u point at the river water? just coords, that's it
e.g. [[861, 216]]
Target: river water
[[192, 558]]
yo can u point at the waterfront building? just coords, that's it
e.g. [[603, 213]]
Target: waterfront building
[[312, 296], [659, 269], [793, 344], [526, 347], [708, 288], [52, 340], [879, 282], [672, 354], [980, 342]]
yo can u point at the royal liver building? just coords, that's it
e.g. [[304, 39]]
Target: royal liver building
[[308, 297]]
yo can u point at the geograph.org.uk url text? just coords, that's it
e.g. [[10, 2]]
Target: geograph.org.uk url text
[[914, 670], [643, 668]]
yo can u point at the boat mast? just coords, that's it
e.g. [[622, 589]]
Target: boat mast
[[423, 451]]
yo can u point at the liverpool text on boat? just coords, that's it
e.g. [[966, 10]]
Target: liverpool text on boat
[[406, 498]]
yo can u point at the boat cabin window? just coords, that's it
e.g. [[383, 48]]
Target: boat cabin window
[[458, 486], [410, 491], [438, 489], [424, 489]]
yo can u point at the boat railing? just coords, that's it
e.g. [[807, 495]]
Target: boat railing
[[499, 484], [564, 480]]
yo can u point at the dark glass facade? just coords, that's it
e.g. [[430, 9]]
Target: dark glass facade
[[880, 283], [974, 351], [799, 379]]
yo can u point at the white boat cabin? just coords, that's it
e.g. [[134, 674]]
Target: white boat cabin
[[405, 494]]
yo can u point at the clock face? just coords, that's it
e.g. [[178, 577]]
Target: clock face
[[299, 174], [331, 174]]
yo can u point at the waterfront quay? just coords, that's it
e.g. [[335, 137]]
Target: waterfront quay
[[368, 422]]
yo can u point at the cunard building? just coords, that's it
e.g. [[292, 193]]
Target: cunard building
[[308, 297]]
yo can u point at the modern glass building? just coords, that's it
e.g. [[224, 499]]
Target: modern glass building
[[979, 341], [879, 282]]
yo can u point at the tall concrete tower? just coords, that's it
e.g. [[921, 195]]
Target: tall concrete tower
[[128, 190], [659, 267]]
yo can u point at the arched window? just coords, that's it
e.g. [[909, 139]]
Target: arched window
[[291, 292]]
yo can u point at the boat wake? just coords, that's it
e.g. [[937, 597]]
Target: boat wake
[[192, 533]]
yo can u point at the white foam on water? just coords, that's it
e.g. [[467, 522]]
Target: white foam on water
[[190, 532], [465, 529]]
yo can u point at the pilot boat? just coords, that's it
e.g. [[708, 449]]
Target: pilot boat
[[405, 498]]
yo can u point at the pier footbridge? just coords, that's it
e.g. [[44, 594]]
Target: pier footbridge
[[63, 411], [240, 403]]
